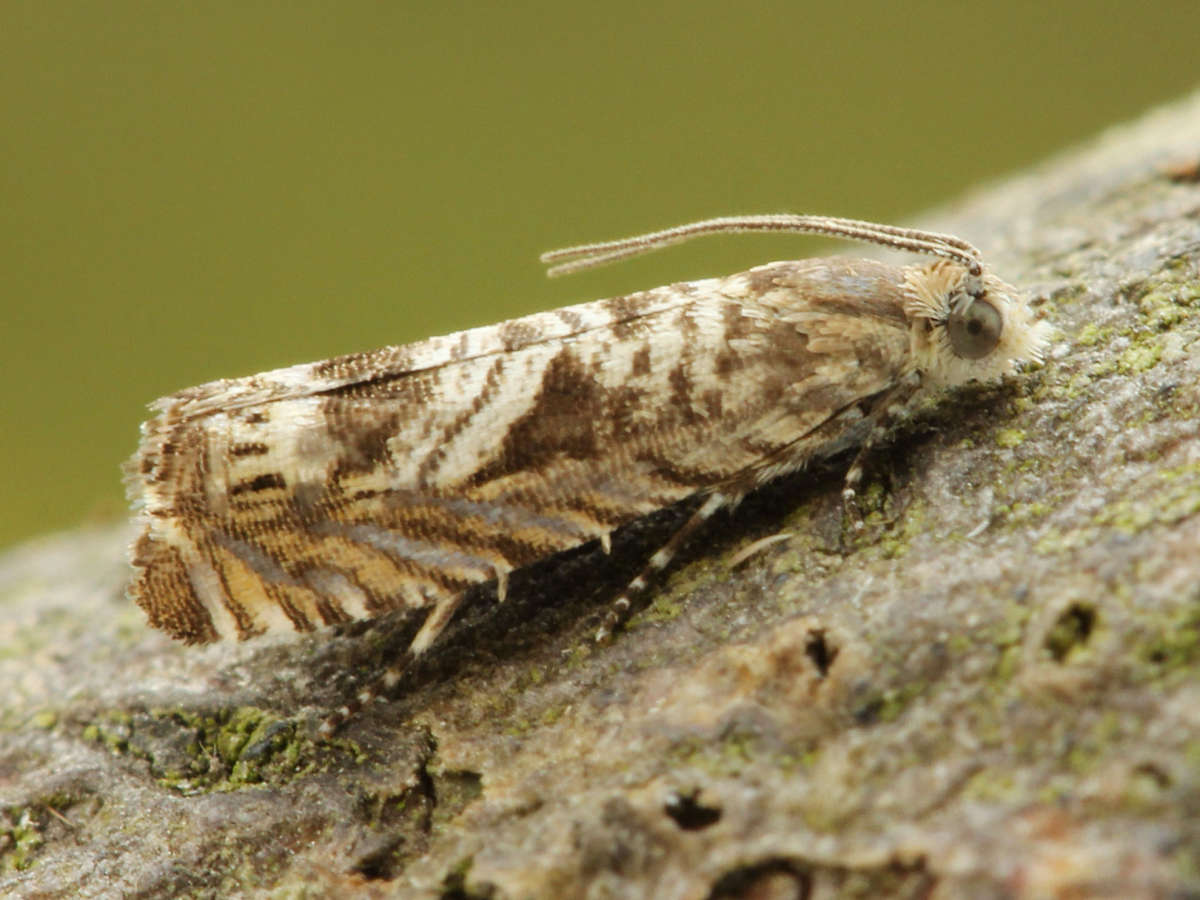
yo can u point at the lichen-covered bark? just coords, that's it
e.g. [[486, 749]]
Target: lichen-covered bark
[[993, 692]]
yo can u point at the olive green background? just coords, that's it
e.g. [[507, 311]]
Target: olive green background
[[209, 190]]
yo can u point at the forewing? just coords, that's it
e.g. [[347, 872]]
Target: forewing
[[343, 489]]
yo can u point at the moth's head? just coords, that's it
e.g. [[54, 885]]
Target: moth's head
[[963, 331]]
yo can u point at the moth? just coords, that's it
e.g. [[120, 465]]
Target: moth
[[399, 478]]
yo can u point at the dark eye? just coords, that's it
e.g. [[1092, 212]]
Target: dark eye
[[974, 329]]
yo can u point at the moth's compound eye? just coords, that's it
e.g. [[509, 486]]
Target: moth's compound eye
[[974, 329]]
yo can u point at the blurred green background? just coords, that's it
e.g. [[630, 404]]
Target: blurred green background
[[192, 191]]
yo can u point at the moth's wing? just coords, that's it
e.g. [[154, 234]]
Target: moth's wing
[[401, 486], [249, 490]]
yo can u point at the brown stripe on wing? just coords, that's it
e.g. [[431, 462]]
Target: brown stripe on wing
[[373, 580], [245, 594], [491, 384], [253, 448], [265, 586], [361, 430], [161, 587], [461, 533], [570, 317], [259, 484], [438, 563], [561, 421], [261, 583], [381, 538], [685, 479], [256, 503]]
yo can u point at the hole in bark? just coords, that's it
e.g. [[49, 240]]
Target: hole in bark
[[689, 813], [773, 878], [1153, 773], [454, 885], [868, 713], [383, 863], [1072, 629], [820, 651]]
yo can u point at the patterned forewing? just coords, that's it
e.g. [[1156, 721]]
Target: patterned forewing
[[351, 487]]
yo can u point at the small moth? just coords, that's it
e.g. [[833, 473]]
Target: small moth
[[397, 479]]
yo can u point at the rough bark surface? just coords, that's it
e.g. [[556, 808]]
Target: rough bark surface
[[994, 692]]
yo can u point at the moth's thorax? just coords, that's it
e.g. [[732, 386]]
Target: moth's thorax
[[835, 286]]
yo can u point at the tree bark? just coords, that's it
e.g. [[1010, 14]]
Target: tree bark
[[993, 692]]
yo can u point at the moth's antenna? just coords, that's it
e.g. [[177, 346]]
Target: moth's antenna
[[914, 240]]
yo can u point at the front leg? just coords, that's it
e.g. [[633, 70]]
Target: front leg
[[880, 421]]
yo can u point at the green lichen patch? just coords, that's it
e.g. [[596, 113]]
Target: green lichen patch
[[1168, 499], [993, 786], [671, 599], [872, 503], [1140, 357], [20, 838], [45, 719], [728, 756], [192, 752], [1172, 643], [1160, 499], [665, 607], [1008, 438], [1092, 335], [1169, 301], [23, 829], [1007, 635], [1078, 385], [1166, 306], [896, 543], [1023, 513]]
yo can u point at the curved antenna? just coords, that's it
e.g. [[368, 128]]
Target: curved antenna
[[914, 240]]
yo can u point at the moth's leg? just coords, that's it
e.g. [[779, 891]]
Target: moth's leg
[[435, 623], [879, 420], [383, 685], [621, 608]]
